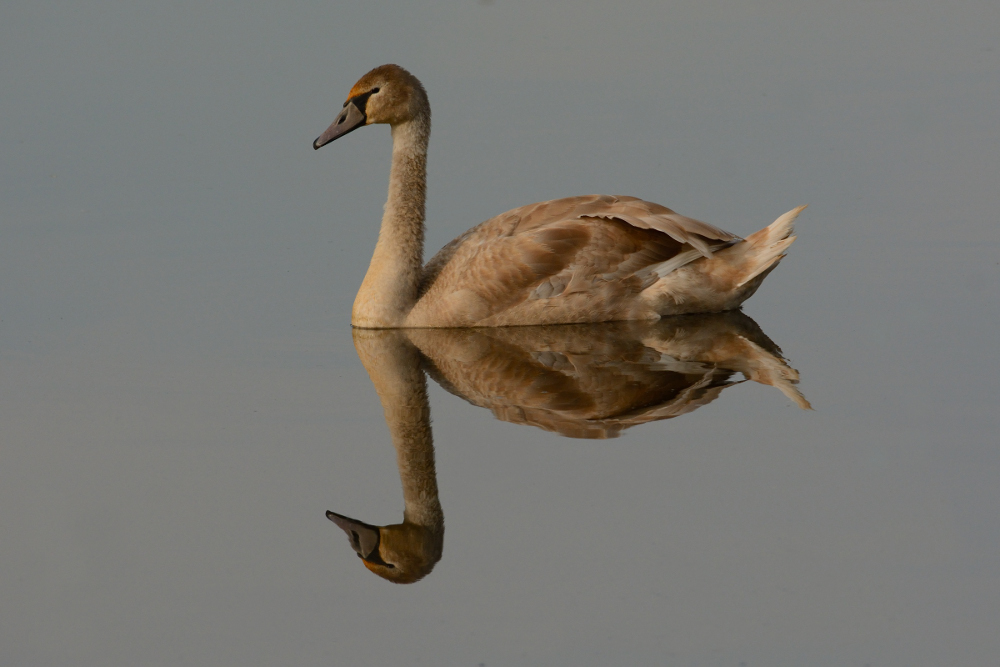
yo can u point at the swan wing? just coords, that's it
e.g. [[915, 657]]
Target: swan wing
[[567, 260]]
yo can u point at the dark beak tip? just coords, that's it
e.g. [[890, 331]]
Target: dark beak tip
[[348, 120]]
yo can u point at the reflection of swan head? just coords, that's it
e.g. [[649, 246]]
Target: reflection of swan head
[[402, 553], [405, 552]]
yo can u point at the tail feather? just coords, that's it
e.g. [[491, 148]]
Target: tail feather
[[765, 248]]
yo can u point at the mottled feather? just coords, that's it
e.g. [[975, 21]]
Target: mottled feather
[[597, 380], [577, 259]]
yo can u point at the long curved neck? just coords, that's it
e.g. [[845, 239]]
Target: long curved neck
[[393, 363], [389, 289]]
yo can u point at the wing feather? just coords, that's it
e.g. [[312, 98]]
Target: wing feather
[[596, 247]]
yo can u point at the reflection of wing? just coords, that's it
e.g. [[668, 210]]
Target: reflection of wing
[[729, 340], [594, 381]]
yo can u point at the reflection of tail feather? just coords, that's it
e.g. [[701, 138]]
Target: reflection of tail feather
[[763, 367], [732, 341]]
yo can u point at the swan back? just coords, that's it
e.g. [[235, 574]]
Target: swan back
[[580, 259]]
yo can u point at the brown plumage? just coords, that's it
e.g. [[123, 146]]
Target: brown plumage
[[595, 381], [404, 552], [593, 258], [583, 381]]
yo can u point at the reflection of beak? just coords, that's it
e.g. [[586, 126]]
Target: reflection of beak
[[364, 537], [348, 120]]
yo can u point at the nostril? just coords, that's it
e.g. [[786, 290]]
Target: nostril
[[340, 120]]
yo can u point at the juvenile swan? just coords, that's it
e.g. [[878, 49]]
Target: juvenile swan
[[594, 258]]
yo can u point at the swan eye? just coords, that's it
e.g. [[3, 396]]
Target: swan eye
[[374, 90]]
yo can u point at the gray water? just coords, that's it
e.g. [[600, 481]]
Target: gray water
[[181, 400]]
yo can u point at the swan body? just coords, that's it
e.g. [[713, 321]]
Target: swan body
[[593, 258]]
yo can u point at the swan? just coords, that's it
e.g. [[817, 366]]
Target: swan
[[597, 380], [584, 381], [592, 258], [404, 552]]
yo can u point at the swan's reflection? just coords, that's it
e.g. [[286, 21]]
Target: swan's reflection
[[583, 381], [403, 552]]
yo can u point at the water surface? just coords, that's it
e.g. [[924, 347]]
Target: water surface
[[181, 398]]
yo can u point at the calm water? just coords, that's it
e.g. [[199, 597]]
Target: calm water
[[182, 399]]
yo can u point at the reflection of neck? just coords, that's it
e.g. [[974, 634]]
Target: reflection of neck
[[393, 364]]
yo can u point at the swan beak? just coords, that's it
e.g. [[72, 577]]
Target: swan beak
[[348, 120], [364, 538]]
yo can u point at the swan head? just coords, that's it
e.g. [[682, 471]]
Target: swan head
[[387, 94], [402, 553]]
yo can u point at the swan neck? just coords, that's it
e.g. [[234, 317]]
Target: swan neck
[[393, 363], [389, 290]]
